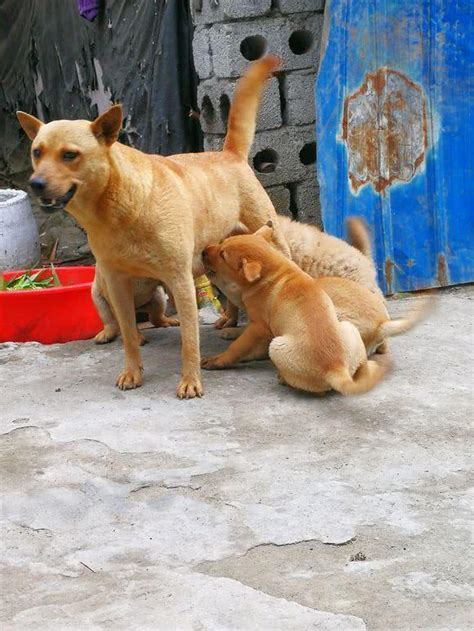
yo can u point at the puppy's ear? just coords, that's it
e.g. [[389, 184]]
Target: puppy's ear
[[252, 270], [265, 231], [107, 126], [30, 124]]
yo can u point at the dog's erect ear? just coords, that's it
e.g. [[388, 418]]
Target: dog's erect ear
[[30, 124], [107, 126], [252, 270], [266, 231]]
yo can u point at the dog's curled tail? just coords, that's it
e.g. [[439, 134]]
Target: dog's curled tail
[[397, 326], [244, 107], [359, 236], [366, 378]]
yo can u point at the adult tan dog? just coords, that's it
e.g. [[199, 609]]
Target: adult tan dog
[[317, 332], [150, 216]]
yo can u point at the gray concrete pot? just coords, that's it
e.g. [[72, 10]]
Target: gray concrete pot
[[19, 239]]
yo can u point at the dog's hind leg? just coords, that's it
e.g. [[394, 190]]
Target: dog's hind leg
[[230, 318], [120, 289], [156, 310], [285, 353], [111, 328]]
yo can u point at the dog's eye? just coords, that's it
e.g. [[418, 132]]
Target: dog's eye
[[70, 155], [36, 153]]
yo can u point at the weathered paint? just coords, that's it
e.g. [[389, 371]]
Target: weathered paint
[[384, 127], [395, 133]]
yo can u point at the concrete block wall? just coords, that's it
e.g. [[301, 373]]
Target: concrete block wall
[[228, 36]]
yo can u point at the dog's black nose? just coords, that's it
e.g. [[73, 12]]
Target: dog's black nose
[[38, 184]]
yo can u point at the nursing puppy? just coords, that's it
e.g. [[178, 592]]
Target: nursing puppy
[[293, 319], [318, 332], [150, 216], [316, 253]]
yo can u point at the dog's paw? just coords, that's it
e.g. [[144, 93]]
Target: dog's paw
[[213, 363], [142, 339], [224, 322], [232, 333], [383, 348], [166, 321], [189, 388], [130, 379], [104, 337]]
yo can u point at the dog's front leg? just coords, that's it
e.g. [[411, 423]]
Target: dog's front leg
[[184, 294], [252, 344], [120, 290]]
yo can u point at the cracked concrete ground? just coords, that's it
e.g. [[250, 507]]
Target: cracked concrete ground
[[254, 508]]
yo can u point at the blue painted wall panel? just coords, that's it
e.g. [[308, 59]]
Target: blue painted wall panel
[[423, 223]]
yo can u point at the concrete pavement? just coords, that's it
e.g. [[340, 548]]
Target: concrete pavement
[[254, 508]]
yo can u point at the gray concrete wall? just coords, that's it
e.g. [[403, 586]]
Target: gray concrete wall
[[228, 36]]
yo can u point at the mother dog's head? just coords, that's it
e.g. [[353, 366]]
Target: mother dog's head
[[67, 155]]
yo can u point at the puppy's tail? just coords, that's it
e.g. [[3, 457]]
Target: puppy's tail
[[359, 236], [397, 326], [366, 378], [243, 111]]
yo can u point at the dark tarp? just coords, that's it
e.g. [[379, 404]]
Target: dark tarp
[[54, 64]]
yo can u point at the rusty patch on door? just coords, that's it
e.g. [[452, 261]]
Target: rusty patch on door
[[384, 128], [442, 274]]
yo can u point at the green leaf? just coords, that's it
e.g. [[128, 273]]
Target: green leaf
[[56, 280]]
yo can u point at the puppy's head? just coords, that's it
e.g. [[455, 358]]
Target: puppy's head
[[68, 156], [239, 258]]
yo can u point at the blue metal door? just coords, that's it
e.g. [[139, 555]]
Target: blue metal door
[[395, 119]]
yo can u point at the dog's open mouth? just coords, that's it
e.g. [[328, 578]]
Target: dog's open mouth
[[52, 205]]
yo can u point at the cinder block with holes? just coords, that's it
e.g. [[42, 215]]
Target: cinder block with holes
[[284, 155], [202, 53], [298, 91], [298, 6], [215, 97], [306, 199], [280, 196], [211, 11], [278, 156], [295, 40]]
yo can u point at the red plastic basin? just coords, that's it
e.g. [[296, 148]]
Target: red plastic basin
[[56, 314]]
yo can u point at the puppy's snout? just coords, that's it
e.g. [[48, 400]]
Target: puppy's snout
[[38, 185], [206, 254]]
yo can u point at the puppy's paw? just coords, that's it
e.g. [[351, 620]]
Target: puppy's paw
[[189, 388], [130, 378], [383, 348], [165, 322], [213, 363], [142, 339], [224, 322], [231, 333], [105, 336]]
